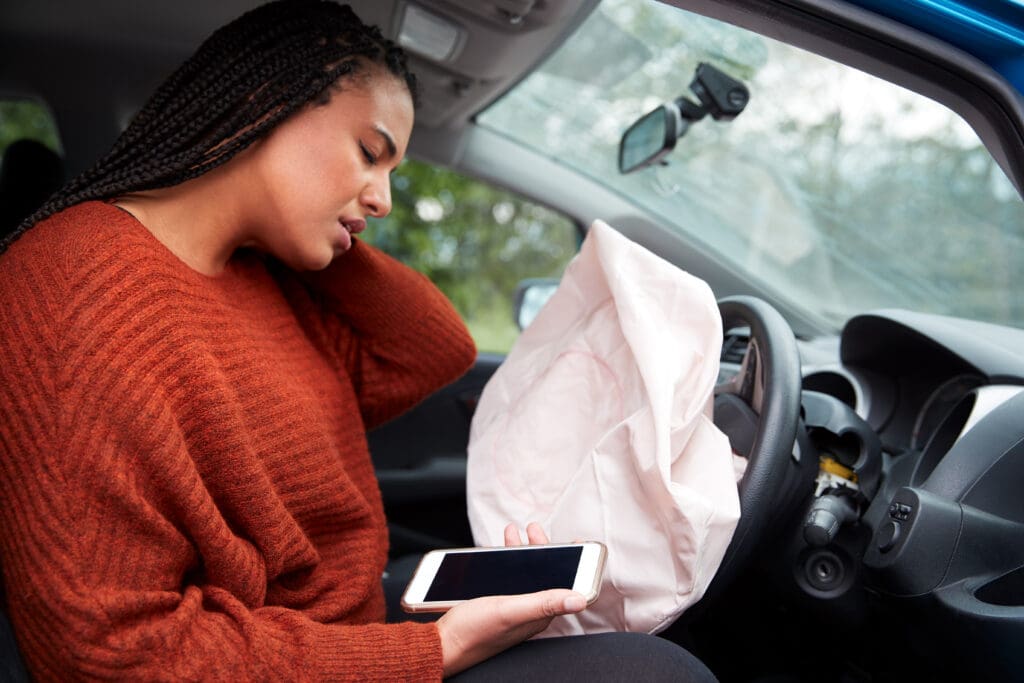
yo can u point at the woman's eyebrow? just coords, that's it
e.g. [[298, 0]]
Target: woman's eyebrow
[[388, 140]]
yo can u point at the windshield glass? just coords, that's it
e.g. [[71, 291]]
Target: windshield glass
[[837, 191]]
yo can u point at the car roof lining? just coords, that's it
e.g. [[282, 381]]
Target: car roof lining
[[494, 53], [498, 56]]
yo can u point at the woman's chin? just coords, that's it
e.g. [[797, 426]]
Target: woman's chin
[[340, 249], [310, 260], [321, 263]]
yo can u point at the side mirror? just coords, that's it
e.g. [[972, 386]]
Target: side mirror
[[531, 295], [654, 135]]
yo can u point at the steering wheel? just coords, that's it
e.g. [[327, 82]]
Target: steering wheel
[[759, 410]]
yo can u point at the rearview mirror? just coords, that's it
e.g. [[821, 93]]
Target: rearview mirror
[[650, 138], [654, 135]]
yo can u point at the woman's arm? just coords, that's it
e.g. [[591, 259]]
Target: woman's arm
[[127, 552], [118, 564], [74, 624], [393, 331]]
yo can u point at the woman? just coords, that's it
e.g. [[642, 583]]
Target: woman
[[194, 344]]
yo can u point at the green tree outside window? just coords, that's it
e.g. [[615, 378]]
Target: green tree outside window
[[27, 119], [475, 242]]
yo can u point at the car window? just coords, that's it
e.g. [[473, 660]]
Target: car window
[[22, 119], [31, 164], [834, 190], [476, 242]]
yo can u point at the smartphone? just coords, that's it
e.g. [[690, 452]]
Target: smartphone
[[444, 578]]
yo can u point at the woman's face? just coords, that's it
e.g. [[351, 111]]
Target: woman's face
[[321, 172]]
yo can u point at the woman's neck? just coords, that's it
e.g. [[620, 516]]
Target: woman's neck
[[200, 221]]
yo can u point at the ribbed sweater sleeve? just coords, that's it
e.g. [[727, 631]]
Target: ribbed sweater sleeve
[[97, 571], [391, 328], [169, 512]]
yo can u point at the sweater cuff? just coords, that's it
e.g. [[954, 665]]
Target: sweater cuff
[[408, 651]]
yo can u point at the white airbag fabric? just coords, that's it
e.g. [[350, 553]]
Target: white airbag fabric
[[598, 426]]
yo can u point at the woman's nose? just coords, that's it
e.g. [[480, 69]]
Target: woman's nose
[[377, 197]]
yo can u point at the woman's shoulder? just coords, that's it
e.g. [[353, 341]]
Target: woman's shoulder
[[90, 253], [91, 231]]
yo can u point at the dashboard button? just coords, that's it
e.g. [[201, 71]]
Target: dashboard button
[[888, 535]]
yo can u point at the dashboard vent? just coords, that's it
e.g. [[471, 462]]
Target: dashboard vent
[[733, 348]]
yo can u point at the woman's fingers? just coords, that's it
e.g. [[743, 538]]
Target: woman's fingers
[[512, 536], [534, 534], [536, 607]]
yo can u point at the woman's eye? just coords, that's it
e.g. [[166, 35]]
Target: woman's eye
[[367, 154]]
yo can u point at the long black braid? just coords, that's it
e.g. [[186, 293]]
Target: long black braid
[[242, 81]]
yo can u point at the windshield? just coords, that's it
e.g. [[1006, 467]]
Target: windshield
[[835, 190]]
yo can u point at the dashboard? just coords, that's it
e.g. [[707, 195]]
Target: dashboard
[[942, 534], [904, 372]]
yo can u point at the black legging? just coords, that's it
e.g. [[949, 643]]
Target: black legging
[[590, 659]]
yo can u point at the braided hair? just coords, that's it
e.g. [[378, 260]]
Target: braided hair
[[245, 79]]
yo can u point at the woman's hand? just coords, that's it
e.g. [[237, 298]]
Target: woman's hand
[[481, 628]]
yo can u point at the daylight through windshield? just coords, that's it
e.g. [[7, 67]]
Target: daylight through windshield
[[838, 191]]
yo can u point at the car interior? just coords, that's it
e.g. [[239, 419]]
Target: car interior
[[882, 527]]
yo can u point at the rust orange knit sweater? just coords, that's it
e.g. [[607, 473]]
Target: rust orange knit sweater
[[186, 487]]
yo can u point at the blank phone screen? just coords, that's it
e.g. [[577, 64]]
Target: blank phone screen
[[464, 576]]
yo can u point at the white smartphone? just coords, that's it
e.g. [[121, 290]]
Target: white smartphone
[[444, 578]]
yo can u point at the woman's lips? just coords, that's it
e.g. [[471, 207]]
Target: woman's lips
[[354, 225], [349, 227]]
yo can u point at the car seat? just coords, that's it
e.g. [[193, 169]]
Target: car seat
[[29, 173], [12, 668]]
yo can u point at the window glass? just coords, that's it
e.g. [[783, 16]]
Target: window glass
[[833, 189], [27, 119], [475, 242]]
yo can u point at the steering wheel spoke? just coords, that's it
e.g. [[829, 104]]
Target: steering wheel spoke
[[748, 382], [763, 402]]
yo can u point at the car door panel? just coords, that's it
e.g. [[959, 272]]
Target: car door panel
[[420, 459]]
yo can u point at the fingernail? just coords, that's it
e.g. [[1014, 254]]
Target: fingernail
[[574, 603]]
